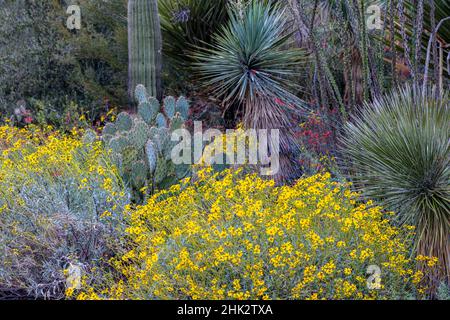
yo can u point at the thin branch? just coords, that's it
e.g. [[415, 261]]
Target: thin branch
[[430, 42]]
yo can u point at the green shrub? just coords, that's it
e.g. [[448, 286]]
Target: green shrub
[[101, 51], [35, 60], [41, 60]]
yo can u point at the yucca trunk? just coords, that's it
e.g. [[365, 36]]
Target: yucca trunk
[[144, 47], [434, 241], [263, 112]]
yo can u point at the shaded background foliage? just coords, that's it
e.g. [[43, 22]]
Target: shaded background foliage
[[35, 60], [46, 67]]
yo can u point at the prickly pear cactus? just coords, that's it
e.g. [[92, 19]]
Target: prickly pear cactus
[[90, 136], [182, 107], [169, 106], [141, 144]]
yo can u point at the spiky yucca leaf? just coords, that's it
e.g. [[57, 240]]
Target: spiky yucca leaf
[[188, 23], [399, 147], [249, 55]]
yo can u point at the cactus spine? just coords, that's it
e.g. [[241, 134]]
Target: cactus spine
[[144, 47]]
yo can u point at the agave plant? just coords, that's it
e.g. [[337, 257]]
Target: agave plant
[[250, 64], [399, 147]]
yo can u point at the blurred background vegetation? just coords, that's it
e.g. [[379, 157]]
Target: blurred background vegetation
[[51, 70], [47, 69]]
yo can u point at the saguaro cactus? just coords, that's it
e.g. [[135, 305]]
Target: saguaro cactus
[[144, 47]]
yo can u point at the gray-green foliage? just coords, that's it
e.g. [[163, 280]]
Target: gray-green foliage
[[443, 292], [55, 223], [34, 60], [141, 143], [49, 66], [399, 151]]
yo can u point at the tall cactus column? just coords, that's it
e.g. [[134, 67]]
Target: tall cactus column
[[144, 47]]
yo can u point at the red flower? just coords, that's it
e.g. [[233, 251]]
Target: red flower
[[28, 120]]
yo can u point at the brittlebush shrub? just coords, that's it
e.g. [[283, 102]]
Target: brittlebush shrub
[[228, 236], [61, 202]]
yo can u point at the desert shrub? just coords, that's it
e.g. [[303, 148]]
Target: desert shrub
[[44, 63], [101, 52], [317, 139], [228, 236], [60, 200], [399, 148], [35, 60]]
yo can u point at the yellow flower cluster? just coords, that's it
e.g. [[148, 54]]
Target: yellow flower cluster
[[49, 181], [227, 145], [231, 236], [31, 153]]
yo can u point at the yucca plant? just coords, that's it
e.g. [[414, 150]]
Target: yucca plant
[[188, 23], [399, 150], [250, 64]]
